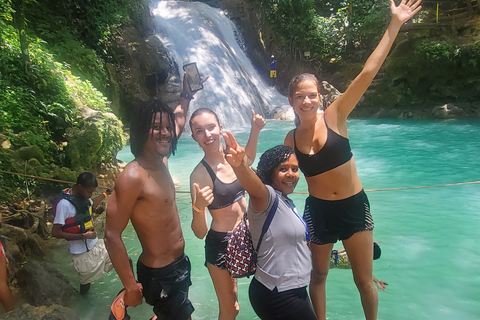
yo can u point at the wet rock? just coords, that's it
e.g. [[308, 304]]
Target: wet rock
[[28, 312], [30, 152], [284, 113], [97, 140], [42, 284], [449, 111], [329, 93]]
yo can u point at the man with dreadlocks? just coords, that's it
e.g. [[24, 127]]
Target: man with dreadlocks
[[145, 194]]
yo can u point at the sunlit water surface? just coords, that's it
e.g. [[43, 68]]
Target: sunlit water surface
[[430, 237]]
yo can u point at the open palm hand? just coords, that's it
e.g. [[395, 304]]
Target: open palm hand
[[405, 10]]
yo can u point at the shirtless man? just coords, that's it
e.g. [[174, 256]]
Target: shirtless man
[[145, 194]]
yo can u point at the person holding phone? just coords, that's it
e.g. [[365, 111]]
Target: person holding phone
[[214, 185], [193, 77], [337, 207]]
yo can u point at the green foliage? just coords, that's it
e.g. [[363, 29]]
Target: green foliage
[[83, 61], [41, 102], [368, 21], [92, 21], [5, 10], [436, 52], [436, 72], [328, 29]]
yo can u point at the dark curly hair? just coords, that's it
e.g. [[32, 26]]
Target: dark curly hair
[[270, 160], [143, 121]]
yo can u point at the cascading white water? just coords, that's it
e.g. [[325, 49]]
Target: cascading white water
[[196, 32]]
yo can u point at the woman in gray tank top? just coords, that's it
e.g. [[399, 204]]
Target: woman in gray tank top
[[278, 289], [213, 185]]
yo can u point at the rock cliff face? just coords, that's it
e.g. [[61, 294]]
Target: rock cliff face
[[145, 72], [260, 43]]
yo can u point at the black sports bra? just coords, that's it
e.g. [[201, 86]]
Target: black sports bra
[[224, 194], [334, 153]]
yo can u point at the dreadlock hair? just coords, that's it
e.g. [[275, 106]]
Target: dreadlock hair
[[293, 85], [200, 111], [87, 180], [270, 160], [143, 121]]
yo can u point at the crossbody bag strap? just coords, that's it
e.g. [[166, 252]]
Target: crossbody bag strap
[[267, 222]]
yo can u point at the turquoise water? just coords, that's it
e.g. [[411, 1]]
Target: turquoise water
[[430, 237]]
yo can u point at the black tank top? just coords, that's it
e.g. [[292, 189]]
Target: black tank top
[[224, 194], [334, 153]]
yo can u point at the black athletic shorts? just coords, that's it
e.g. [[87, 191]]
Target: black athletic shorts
[[268, 304], [332, 220], [166, 288], [216, 248]]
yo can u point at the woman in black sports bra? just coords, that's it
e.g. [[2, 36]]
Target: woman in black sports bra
[[337, 207], [213, 184]]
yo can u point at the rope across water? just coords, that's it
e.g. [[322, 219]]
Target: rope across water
[[295, 192]]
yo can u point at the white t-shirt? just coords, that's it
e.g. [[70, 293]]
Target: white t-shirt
[[64, 211]]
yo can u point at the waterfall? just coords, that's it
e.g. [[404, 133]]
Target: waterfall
[[196, 32]]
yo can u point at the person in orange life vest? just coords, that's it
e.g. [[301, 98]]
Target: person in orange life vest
[[73, 222]]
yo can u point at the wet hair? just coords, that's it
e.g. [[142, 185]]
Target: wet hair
[[292, 86], [377, 252], [143, 121], [87, 180], [299, 78], [270, 160], [200, 111]]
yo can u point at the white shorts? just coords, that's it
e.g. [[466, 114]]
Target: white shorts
[[92, 265]]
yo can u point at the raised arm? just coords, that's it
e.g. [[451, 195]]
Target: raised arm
[[258, 122], [400, 14], [201, 198], [127, 190], [181, 109], [235, 156]]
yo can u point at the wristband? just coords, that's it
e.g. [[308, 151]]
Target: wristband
[[105, 194], [186, 95], [198, 210]]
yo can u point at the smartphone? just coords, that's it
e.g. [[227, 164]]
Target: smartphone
[[193, 77]]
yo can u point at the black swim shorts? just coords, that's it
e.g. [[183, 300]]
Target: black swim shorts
[[166, 289], [216, 248], [329, 221]]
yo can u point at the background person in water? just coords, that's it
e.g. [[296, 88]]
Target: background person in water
[[339, 259], [337, 207], [213, 184]]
